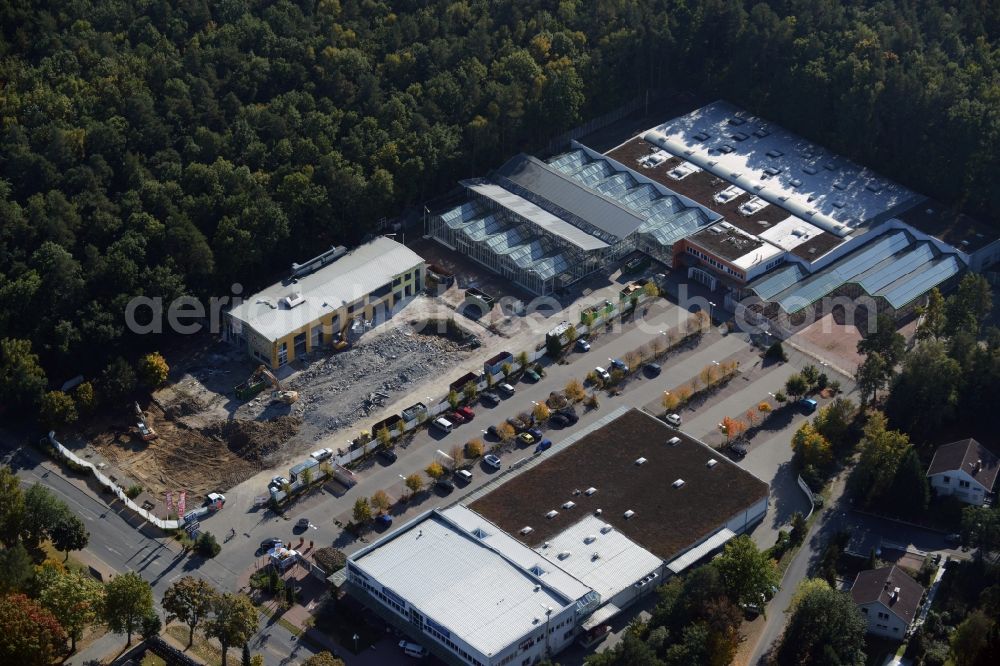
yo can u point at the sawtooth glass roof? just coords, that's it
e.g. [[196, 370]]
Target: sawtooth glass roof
[[665, 217], [893, 267]]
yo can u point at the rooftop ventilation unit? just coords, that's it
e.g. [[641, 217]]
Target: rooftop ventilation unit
[[563, 555], [576, 491], [319, 261], [590, 538], [479, 533], [598, 512], [590, 491], [537, 570], [527, 530], [595, 556], [674, 441], [606, 528], [292, 300], [628, 514], [678, 483], [712, 462], [552, 514], [640, 461], [569, 505]]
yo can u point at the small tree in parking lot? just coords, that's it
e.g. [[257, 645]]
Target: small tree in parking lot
[[522, 360], [506, 369], [506, 432], [633, 360], [474, 448], [457, 454], [470, 391], [650, 289], [414, 483], [384, 437], [434, 470], [453, 399], [362, 511], [541, 412], [380, 501], [670, 401], [574, 390]]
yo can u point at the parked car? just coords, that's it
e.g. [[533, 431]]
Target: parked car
[[652, 369], [558, 420], [543, 445], [506, 390], [492, 461], [466, 412], [603, 374], [739, 449], [808, 405], [492, 431], [445, 485], [569, 413], [526, 438], [273, 542], [322, 454], [619, 364], [387, 455], [302, 522], [534, 432], [383, 520], [582, 345], [464, 475], [673, 419], [415, 650], [489, 397], [532, 375], [442, 424], [456, 417]]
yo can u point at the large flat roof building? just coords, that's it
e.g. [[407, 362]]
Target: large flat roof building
[[321, 297], [516, 570]]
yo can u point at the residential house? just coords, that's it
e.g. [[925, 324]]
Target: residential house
[[888, 599], [965, 469]]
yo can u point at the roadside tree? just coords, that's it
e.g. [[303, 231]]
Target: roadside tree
[[69, 533], [57, 410], [474, 449], [796, 386], [74, 598], [381, 501], [32, 636], [574, 390], [362, 512], [190, 600], [234, 622], [825, 627], [541, 412], [505, 432], [748, 573], [414, 483], [128, 600]]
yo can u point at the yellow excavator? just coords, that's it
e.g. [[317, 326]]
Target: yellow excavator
[[279, 392]]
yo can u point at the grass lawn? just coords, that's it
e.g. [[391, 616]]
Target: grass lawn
[[72, 564], [201, 648]]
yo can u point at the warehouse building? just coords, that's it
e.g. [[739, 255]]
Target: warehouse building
[[559, 546], [322, 297]]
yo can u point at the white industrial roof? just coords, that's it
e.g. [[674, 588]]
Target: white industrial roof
[[780, 167], [539, 216], [717, 540], [460, 583], [556, 578], [790, 233], [607, 561], [359, 272]]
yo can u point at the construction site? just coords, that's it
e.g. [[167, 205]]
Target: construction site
[[223, 420]]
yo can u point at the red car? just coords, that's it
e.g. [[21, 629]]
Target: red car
[[466, 412], [456, 418]]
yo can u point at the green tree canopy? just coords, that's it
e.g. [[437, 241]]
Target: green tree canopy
[[128, 601], [749, 574], [234, 622], [190, 600], [74, 598], [825, 627], [31, 634]]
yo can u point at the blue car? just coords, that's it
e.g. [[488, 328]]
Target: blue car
[[543, 445], [535, 432], [383, 520], [808, 405], [619, 364]]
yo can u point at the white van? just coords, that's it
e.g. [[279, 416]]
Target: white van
[[464, 475], [443, 424], [415, 650]]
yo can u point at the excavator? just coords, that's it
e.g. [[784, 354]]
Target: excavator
[[279, 392], [146, 431]]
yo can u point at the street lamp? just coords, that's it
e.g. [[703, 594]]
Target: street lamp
[[355, 637]]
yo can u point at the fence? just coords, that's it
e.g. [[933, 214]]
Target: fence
[[73, 459], [603, 121], [809, 493]]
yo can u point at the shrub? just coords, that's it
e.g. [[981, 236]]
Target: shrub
[[57, 410], [153, 370], [540, 412], [592, 401], [506, 432], [133, 491], [86, 397], [206, 545], [474, 448], [435, 470], [780, 397]]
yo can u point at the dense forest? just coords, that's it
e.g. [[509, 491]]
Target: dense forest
[[164, 148]]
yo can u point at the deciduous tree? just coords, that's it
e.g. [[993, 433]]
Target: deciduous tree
[[234, 622], [74, 598], [362, 511], [128, 600], [22, 379], [69, 533], [153, 370], [56, 410], [747, 572], [380, 501], [825, 627], [190, 600], [32, 636], [414, 483]]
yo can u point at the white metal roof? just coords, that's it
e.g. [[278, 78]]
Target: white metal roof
[[517, 552], [780, 167], [607, 561], [356, 274], [539, 216], [460, 583], [701, 550], [790, 233]]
